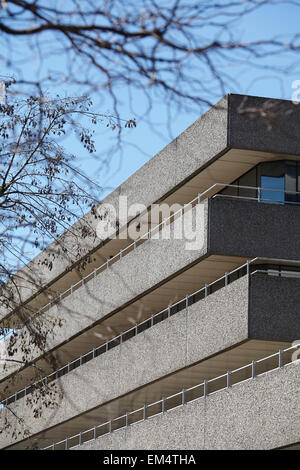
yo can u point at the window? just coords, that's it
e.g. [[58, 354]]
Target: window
[[272, 189], [278, 180]]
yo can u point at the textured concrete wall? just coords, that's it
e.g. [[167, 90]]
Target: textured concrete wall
[[190, 151], [265, 124], [236, 121], [209, 326], [274, 309], [262, 413], [251, 229], [140, 270]]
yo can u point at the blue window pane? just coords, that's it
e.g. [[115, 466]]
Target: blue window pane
[[272, 189]]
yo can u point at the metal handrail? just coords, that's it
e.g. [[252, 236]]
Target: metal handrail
[[147, 236], [55, 375], [121, 338], [259, 189], [182, 395]]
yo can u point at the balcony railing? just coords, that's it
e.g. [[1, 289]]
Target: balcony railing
[[182, 398], [132, 246], [246, 269], [149, 234], [259, 194]]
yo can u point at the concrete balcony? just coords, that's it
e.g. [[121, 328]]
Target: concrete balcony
[[233, 230], [245, 320], [256, 414], [249, 228], [220, 146], [140, 271]]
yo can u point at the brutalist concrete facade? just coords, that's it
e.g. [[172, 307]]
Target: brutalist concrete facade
[[169, 316], [260, 414]]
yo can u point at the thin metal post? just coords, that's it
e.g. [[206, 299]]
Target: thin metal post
[[169, 311], [110, 426], [253, 369], [120, 254], [126, 419], [152, 320], [280, 358], [66, 445], [258, 194], [145, 412], [106, 345], [205, 389], [183, 396], [186, 301], [199, 198], [228, 379], [163, 404], [248, 267], [53, 446], [93, 353], [80, 438]]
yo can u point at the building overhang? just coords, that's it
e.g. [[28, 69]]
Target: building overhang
[[233, 136]]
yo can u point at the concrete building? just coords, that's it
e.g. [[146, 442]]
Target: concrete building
[[182, 335]]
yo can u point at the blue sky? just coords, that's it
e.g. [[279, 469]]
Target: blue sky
[[145, 141], [277, 21]]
